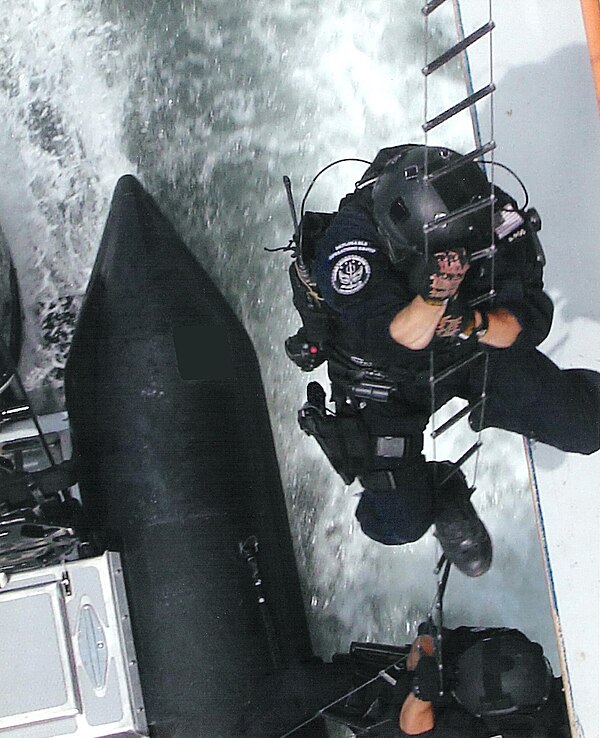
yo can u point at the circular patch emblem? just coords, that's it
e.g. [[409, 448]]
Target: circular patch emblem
[[350, 274]]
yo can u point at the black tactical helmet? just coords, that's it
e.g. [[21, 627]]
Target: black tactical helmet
[[403, 202], [502, 674]]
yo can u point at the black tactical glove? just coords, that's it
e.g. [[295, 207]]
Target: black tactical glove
[[458, 320], [426, 681], [442, 276]]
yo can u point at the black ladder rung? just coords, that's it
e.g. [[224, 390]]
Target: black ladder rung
[[458, 163], [455, 367], [483, 254], [457, 464], [483, 298], [455, 109], [429, 7], [456, 417], [458, 48], [455, 215]]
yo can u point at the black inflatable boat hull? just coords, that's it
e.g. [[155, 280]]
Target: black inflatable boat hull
[[172, 434], [10, 316]]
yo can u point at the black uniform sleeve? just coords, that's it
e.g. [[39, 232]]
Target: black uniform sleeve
[[534, 314], [426, 734], [521, 284], [517, 280], [451, 721], [359, 283]]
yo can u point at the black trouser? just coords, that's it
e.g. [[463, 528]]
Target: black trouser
[[526, 393]]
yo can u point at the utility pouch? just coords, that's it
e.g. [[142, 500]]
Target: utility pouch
[[312, 227], [344, 439]]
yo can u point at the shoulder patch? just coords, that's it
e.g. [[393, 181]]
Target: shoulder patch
[[350, 274]]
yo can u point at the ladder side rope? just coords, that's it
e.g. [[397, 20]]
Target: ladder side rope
[[466, 70], [492, 229], [437, 606], [460, 50], [429, 8]]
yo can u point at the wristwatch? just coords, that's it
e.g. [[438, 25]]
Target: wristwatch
[[482, 328], [471, 329]]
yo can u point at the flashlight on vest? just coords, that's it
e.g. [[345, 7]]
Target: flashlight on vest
[[306, 354]]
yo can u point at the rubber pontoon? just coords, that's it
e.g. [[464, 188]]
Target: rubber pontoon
[[177, 468], [10, 316]]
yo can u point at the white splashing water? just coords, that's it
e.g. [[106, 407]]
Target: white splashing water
[[62, 113]]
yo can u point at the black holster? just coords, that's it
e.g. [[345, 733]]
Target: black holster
[[344, 439]]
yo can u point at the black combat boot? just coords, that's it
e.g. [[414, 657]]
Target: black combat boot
[[458, 528]]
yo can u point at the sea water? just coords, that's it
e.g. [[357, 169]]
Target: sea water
[[209, 104]]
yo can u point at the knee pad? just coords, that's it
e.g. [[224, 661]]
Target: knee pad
[[383, 518]]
